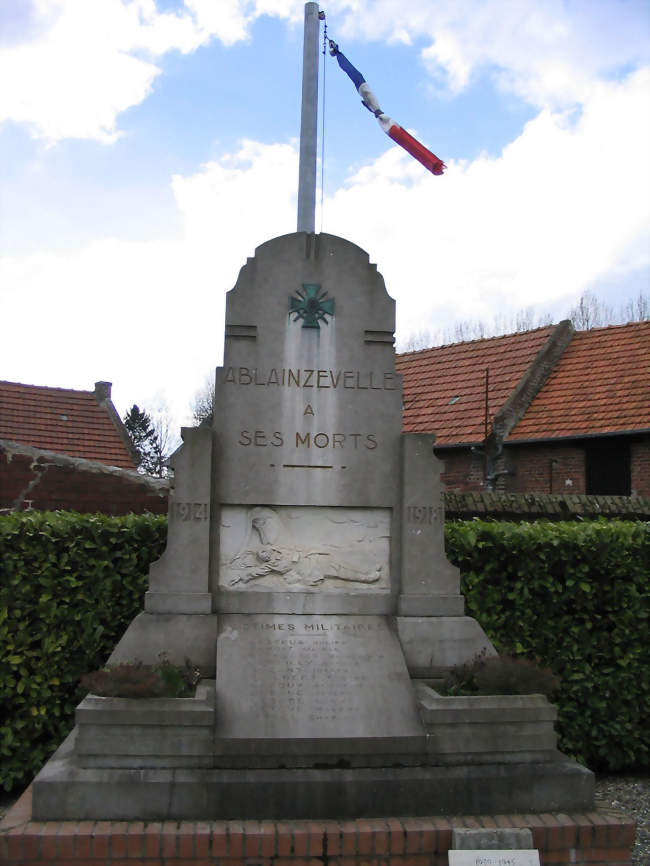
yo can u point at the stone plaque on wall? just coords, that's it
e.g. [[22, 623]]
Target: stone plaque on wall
[[291, 685], [494, 858]]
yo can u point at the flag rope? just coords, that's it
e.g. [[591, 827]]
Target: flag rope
[[322, 17]]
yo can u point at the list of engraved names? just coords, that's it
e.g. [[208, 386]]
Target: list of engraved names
[[311, 675]]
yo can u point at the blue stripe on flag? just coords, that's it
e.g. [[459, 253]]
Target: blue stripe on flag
[[354, 74]]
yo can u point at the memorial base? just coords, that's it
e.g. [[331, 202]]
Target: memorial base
[[312, 717], [63, 790]]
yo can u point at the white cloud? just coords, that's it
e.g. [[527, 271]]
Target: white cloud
[[241, 199], [228, 20], [78, 95], [558, 211], [84, 63], [549, 53], [107, 311], [148, 316]]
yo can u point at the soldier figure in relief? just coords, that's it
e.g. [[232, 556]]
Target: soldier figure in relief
[[264, 554]]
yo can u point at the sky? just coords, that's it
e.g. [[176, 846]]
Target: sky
[[147, 148]]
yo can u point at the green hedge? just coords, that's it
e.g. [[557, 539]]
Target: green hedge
[[69, 586], [572, 595]]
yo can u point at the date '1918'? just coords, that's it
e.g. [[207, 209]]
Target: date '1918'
[[189, 511], [422, 514]]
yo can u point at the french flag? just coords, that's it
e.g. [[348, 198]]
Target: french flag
[[393, 130]]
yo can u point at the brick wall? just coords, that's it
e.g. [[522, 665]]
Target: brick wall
[[531, 469], [30, 478], [554, 468], [640, 459], [464, 469], [546, 468], [594, 838]]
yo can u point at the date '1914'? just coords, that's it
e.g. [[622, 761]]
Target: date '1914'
[[189, 511]]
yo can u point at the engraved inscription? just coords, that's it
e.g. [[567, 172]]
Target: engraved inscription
[[288, 377], [260, 438], [311, 676], [263, 438], [426, 514], [336, 440], [185, 511], [317, 675], [314, 680], [523, 857]]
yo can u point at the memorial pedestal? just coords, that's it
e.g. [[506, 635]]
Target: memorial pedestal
[[63, 790], [314, 717]]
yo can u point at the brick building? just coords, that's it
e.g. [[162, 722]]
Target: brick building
[[547, 411], [66, 449], [551, 410]]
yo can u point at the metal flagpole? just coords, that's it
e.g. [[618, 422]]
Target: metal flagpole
[[308, 123]]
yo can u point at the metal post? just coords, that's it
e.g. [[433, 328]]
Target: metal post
[[308, 123]]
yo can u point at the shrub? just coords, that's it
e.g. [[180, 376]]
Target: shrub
[[512, 676], [69, 586], [137, 680], [573, 596], [500, 675]]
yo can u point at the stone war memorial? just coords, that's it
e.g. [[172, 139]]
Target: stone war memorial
[[305, 574]]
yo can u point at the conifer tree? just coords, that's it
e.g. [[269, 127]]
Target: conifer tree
[[147, 441]]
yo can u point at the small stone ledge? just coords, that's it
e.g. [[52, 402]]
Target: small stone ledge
[[532, 506], [594, 838], [146, 733]]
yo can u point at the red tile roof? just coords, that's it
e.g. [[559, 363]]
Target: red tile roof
[[444, 387], [61, 420], [601, 384]]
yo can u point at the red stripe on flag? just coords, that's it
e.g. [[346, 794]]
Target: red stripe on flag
[[419, 151]]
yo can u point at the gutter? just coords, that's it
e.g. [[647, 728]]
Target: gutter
[[579, 436]]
